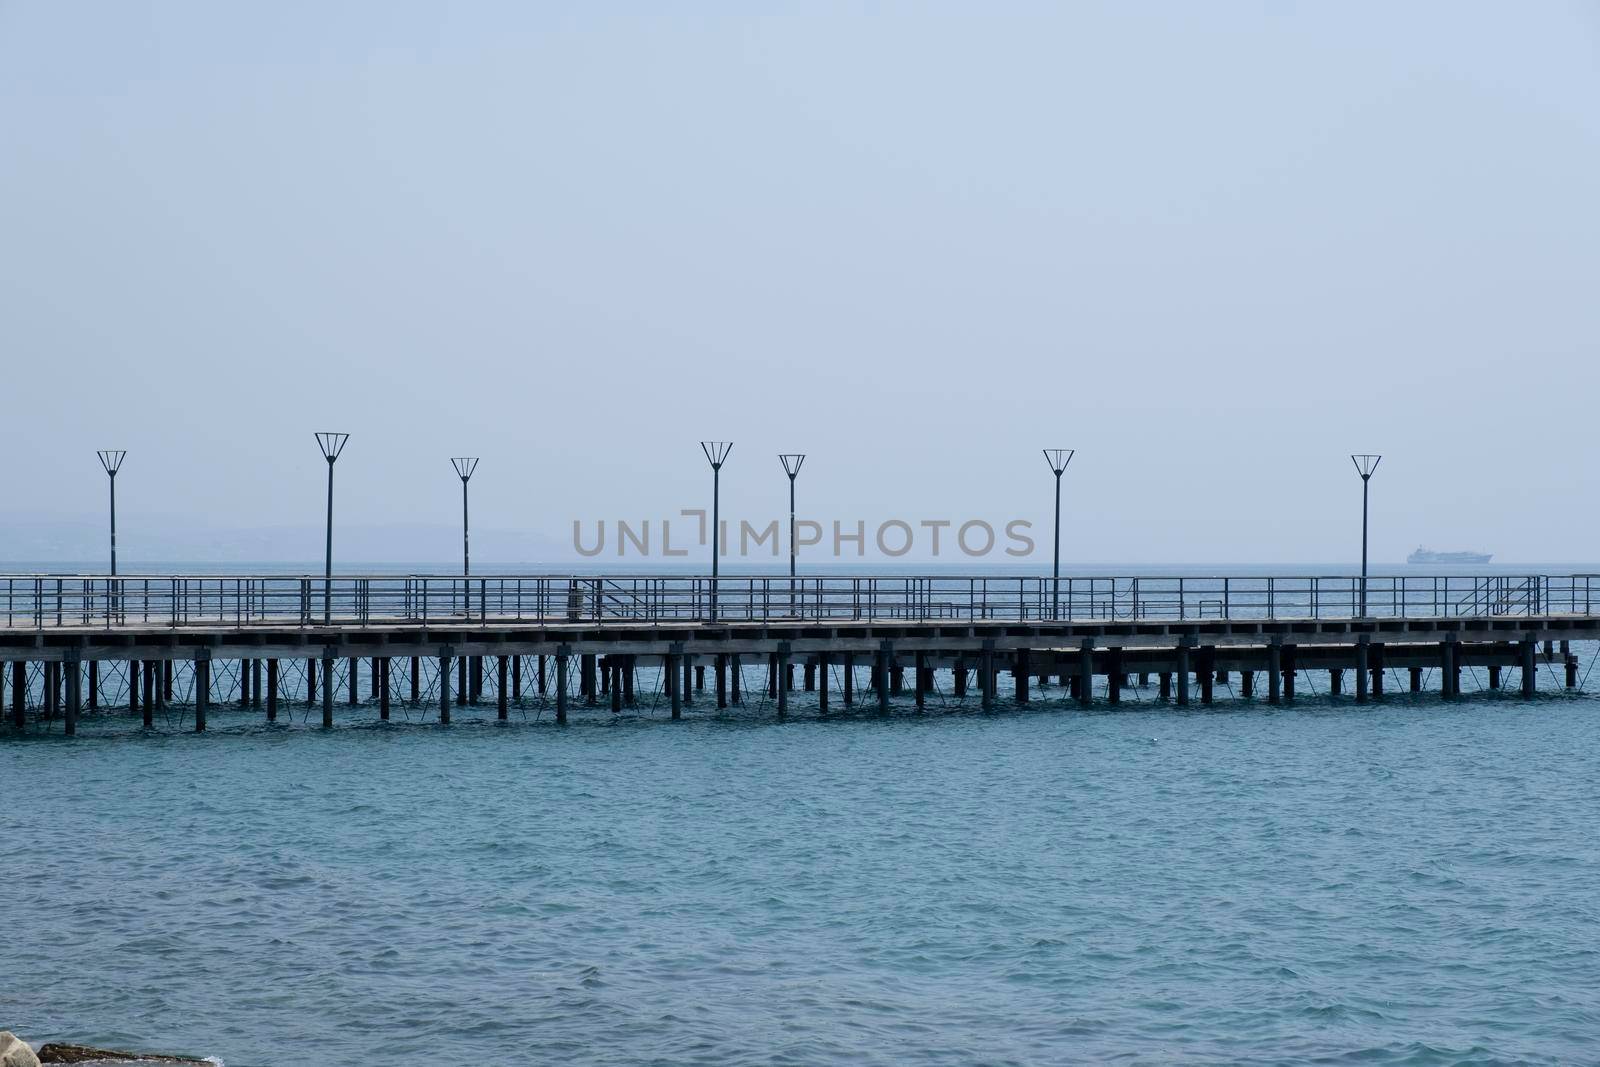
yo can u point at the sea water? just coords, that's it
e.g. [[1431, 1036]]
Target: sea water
[[1412, 881]]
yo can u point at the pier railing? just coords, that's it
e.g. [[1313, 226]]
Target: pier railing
[[40, 601]]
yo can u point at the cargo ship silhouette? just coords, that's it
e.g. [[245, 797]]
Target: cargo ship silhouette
[[1428, 555]]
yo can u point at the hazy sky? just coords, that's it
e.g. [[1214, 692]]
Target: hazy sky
[[1214, 247]]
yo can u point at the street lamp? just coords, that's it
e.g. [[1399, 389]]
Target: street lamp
[[464, 466], [716, 455], [1365, 465], [791, 466], [331, 444], [1058, 458], [112, 462]]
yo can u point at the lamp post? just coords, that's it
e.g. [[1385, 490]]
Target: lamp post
[[1058, 458], [464, 466], [112, 462], [1365, 465], [716, 455], [791, 466], [331, 444]]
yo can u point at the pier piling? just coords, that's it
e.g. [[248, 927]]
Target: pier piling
[[1183, 674], [781, 663], [1085, 672], [327, 688], [502, 695], [562, 655], [674, 667], [272, 690], [445, 656], [202, 688], [74, 694]]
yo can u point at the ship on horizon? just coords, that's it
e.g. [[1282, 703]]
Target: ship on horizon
[[1428, 555]]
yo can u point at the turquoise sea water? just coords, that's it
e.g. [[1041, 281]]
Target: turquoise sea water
[[1410, 882]]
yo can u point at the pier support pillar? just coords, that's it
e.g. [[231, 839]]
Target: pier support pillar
[[74, 674], [1447, 667], [1183, 674], [1086, 672], [1115, 676], [1019, 674], [772, 675], [885, 659], [541, 676], [19, 694], [1290, 666], [1274, 673], [1494, 676], [674, 666], [685, 670], [1247, 684], [353, 665], [735, 679], [135, 668], [719, 666], [311, 681], [1336, 681], [516, 680], [1375, 665], [1363, 669], [586, 670], [502, 694], [1530, 675], [202, 688], [1164, 684], [462, 686], [849, 679], [1208, 674], [615, 666], [986, 675], [445, 656], [1572, 671], [1416, 679], [809, 676], [783, 674], [93, 702], [823, 682], [563, 653], [255, 683], [327, 688], [958, 675], [151, 690], [272, 690], [919, 680], [699, 678]]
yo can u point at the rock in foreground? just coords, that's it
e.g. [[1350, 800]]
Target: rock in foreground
[[15, 1052], [60, 1052]]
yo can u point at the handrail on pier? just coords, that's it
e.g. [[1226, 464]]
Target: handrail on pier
[[50, 601]]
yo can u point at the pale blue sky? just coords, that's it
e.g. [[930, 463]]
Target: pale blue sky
[[1214, 247]]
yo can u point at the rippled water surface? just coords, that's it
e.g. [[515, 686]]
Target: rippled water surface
[[1413, 882]]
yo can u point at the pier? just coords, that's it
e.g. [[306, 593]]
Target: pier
[[74, 645]]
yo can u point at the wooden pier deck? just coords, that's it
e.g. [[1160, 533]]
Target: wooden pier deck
[[73, 645]]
